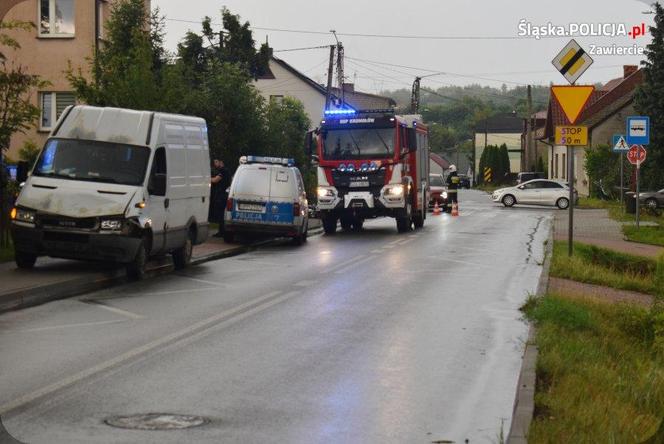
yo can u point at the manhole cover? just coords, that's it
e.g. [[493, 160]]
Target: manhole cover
[[156, 421]]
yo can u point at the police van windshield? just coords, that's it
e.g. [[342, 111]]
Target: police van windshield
[[369, 143], [436, 181], [93, 161]]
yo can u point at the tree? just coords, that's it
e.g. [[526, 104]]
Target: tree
[[650, 102], [128, 69], [602, 164], [17, 113]]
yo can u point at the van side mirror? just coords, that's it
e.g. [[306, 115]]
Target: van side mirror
[[157, 185], [314, 160]]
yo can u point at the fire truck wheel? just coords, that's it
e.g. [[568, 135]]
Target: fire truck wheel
[[405, 222], [357, 224], [418, 221], [329, 224]]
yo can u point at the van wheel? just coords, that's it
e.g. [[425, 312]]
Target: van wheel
[[346, 223], [25, 260], [182, 256], [329, 224], [358, 224], [136, 268]]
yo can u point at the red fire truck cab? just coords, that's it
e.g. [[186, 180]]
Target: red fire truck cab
[[371, 163]]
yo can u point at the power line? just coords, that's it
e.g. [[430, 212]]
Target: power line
[[302, 49]]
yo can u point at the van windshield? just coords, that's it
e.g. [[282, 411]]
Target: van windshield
[[93, 161]]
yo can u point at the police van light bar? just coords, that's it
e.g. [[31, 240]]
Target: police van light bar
[[340, 112], [264, 159]]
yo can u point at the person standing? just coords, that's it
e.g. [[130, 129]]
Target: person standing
[[453, 182], [215, 214]]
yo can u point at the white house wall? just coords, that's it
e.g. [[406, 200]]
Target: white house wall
[[287, 84]]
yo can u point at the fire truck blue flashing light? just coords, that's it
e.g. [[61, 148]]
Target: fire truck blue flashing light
[[340, 112]]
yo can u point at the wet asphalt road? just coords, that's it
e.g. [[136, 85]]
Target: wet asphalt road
[[369, 337]]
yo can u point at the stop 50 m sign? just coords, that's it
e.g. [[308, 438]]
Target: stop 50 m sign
[[636, 155]]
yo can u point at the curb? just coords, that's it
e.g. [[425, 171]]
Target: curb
[[30, 297], [524, 402]]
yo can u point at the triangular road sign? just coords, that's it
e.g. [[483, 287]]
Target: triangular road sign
[[621, 145], [572, 99]]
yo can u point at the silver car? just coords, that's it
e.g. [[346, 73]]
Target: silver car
[[535, 192], [653, 199]]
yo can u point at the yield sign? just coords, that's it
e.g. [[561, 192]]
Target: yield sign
[[572, 99]]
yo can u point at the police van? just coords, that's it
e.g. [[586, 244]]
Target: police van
[[267, 197]]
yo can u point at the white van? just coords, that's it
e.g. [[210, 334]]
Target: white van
[[267, 196], [116, 185]]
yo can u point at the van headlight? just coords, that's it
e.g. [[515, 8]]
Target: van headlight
[[21, 215], [111, 224], [444, 194], [394, 190], [325, 192]]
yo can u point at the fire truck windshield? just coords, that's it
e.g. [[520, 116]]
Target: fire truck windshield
[[358, 144]]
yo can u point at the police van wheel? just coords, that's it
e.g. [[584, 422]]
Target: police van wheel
[[329, 224], [136, 268], [25, 260], [182, 256]]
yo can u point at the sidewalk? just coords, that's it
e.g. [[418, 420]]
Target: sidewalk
[[595, 227], [53, 279]]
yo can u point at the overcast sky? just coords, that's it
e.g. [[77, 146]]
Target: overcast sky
[[511, 59]]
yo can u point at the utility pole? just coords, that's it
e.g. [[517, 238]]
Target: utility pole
[[528, 158], [330, 68], [415, 96], [340, 67]]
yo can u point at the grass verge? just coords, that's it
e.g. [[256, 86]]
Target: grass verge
[[599, 266], [645, 235], [591, 203], [600, 371]]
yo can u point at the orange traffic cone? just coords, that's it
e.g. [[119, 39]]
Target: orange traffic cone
[[436, 209], [455, 209]]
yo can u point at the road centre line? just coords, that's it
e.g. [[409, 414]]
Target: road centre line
[[202, 281], [247, 308], [343, 270], [344, 263]]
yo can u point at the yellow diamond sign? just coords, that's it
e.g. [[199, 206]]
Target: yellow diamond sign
[[572, 61], [572, 99]]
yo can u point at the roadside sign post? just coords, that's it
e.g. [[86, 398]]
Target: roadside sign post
[[572, 62], [621, 146], [636, 156], [638, 134]]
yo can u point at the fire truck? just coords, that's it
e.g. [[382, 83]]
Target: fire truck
[[371, 163]]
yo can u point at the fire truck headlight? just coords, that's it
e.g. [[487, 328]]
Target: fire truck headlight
[[325, 192], [395, 190], [342, 167]]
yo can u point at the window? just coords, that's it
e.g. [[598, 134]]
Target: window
[[157, 182], [56, 18], [556, 169], [552, 185], [534, 185], [52, 105]]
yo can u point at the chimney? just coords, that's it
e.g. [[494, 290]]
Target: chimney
[[349, 87], [628, 70]]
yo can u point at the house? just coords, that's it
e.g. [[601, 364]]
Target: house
[[282, 80], [604, 115], [66, 32], [497, 130], [539, 150]]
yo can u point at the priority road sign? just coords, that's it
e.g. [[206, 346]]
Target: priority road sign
[[572, 99], [636, 155], [638, 130], [620, 145], [572, 135], [572, 61]]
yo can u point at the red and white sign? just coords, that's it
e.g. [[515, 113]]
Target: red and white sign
[[636, 155]]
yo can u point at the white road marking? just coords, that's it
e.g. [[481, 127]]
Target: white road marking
[[188, 290], [390, 246], [115, 310], [343, 270], [376, 251], [245, 309], [203, 281], [474, 264], [57, 327], [305, 283], [344, 263]]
